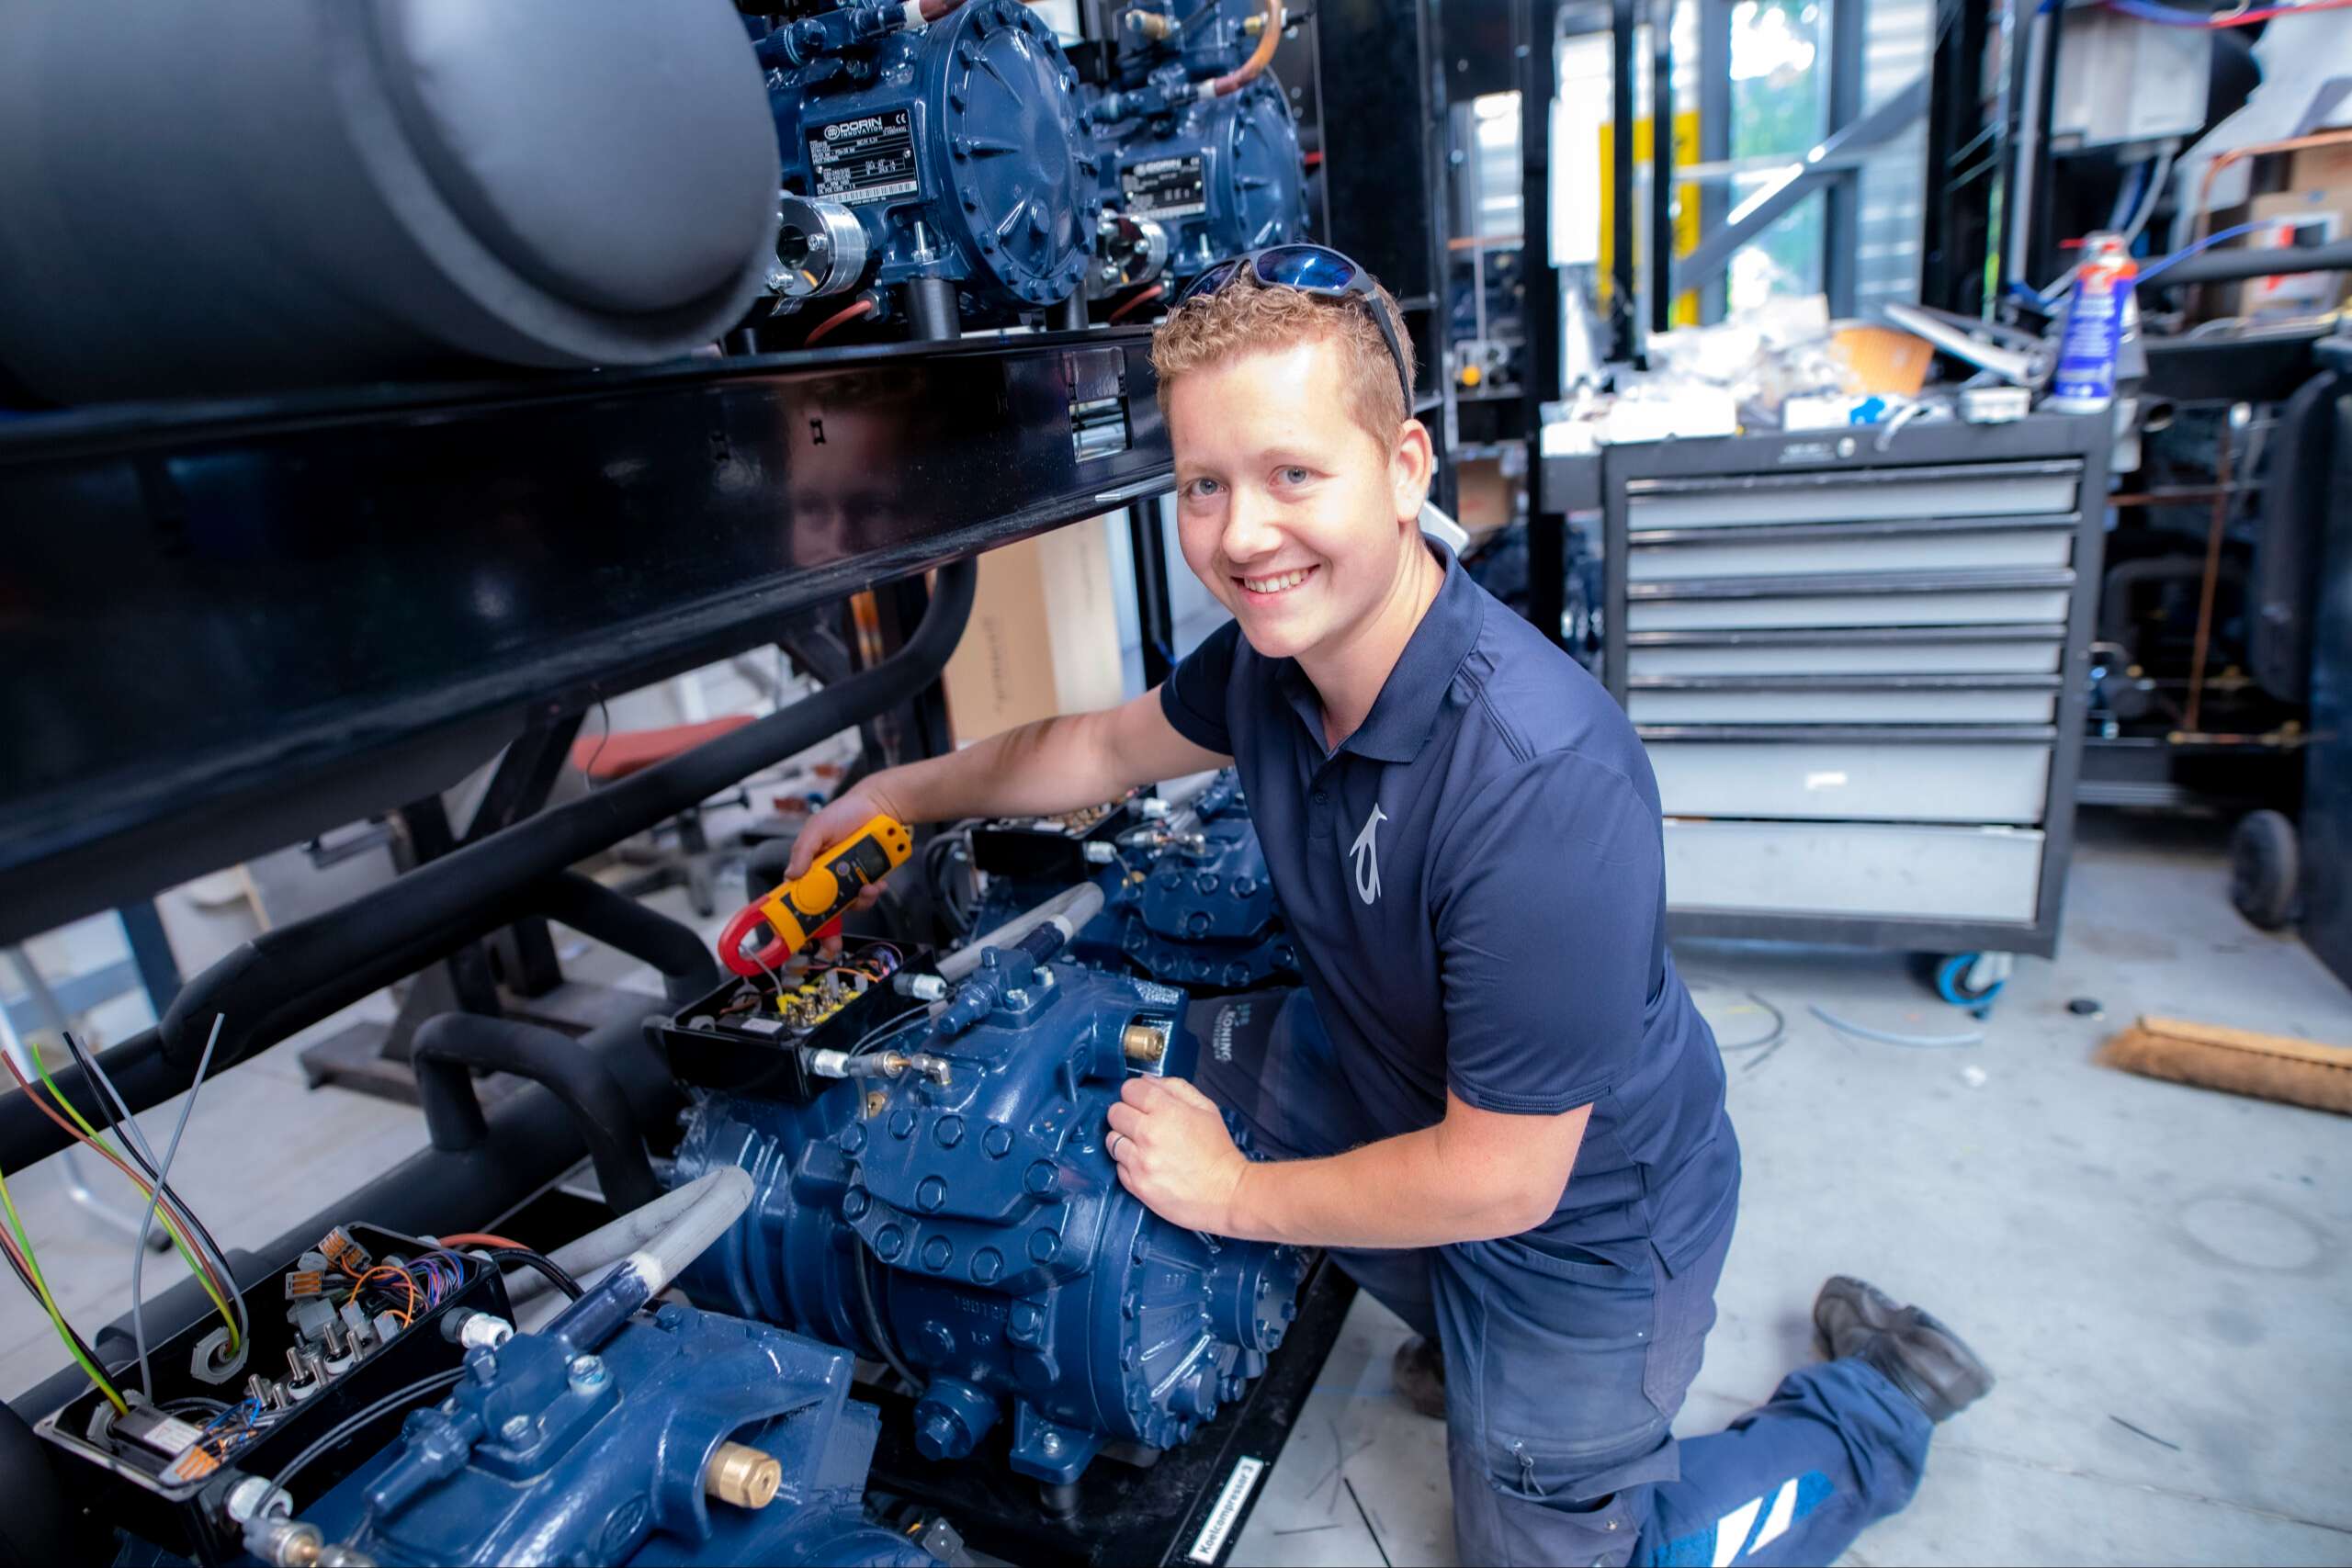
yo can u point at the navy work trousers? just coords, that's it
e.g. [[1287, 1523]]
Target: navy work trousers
[[1563, 1377]]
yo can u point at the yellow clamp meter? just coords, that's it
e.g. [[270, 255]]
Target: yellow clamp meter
[[794, 912]]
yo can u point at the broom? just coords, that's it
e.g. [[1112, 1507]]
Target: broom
[[2268, 1067]]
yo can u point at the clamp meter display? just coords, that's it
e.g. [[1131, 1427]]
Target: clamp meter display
[[795, 912]]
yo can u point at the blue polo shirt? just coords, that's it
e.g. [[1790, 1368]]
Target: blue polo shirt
[[1475, 881]]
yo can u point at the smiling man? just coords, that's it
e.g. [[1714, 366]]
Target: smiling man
[[1493, 1099]]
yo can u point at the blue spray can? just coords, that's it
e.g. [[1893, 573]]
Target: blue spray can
[[2085, 383]]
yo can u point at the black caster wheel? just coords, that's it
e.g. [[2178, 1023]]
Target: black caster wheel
[[2265, 867]]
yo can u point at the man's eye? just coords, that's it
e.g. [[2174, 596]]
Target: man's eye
[[1202, 487], [1295, 475]]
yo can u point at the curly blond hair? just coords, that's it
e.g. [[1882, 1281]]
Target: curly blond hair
[[1247, 317]]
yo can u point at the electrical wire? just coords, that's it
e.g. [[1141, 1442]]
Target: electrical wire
[[841, 318], [876, 1328], [2207, 242], [545, 1267], [588, 768], [2166, 16], [154, 1200], [203, 1271], [30, 1267], [1137, 302], [897, 1026], [134, 1144], [117, 1114], [2151, 197], [351, 1425], [479, 1238], [415, 1304]]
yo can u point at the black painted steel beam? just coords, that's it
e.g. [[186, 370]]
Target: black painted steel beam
[[231, 626]]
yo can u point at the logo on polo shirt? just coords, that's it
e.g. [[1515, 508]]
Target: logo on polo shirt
[[1366, 852]]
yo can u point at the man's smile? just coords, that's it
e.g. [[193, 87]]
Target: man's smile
[[1276, 585]]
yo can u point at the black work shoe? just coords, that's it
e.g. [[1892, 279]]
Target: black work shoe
[[1420, 1376], [1911, 1349]]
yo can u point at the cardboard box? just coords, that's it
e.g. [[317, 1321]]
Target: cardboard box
[[2292, 294], [1483, 496], [1043, 638]]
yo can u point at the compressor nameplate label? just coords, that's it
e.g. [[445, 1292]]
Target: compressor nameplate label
[[1226, 1512], [1165, 187], [871, 158]]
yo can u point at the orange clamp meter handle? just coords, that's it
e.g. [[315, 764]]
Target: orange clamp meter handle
[[795, 912]]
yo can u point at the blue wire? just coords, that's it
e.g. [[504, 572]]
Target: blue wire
[[2208, 242], [2160, 15]]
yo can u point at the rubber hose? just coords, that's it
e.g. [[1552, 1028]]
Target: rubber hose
[[588, 907], [1075, 906], [449, 1047], [609, 1243]]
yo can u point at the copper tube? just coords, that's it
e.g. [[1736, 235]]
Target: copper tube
[[2212, 574], [2252, 150], [1251, 68], [2164, 496]]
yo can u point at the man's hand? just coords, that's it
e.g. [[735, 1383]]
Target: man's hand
[[1174, 1154], [841, 817]]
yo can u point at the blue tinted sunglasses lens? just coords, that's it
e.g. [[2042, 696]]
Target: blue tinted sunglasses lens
[[1210, 281], [1305, 266]]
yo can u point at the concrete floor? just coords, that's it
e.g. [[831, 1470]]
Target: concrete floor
[[2120, 1250]]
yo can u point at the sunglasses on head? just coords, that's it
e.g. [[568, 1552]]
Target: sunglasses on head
[[1311, 269]]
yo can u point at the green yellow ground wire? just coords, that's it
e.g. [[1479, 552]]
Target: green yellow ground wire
[[41, 1287], [179, 1237]]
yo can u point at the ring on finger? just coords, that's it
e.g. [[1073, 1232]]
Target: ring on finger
[[1111, 1147]]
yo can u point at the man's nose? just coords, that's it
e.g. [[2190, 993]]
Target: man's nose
[[1250, 531]]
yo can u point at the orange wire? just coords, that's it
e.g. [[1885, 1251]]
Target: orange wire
[[1146, 297], [839, 318], [409, 1280], [74, 1132], [481, 1238]]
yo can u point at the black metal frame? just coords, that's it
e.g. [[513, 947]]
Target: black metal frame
[[245, 623], [1547, 523], [2075, 445], [1964, 158]]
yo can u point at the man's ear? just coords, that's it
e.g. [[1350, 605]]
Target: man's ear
[[1411, 468]]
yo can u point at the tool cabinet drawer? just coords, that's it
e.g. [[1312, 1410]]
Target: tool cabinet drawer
[[1854, 869], [2023, 651], [1823, 551], [1843, 703], [1929, 607], [1975, 490], [1851, 778]]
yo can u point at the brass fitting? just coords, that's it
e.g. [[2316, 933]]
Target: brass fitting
[[742, 1476], [1145, 1043], [1150, 24]]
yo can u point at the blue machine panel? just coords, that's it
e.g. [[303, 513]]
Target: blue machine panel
[[542, 1455]]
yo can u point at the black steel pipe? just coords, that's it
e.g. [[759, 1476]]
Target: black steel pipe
[[589, 907], [2266, 261], [449, 1047], [532, 1140], [291, 977]]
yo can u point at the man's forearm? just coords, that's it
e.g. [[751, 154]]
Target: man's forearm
[[1036, 770], [1397, 1192]]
